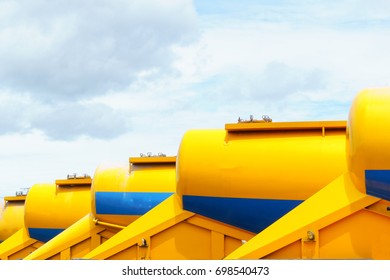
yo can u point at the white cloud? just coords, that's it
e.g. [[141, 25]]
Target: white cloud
[[340, 62], [59, 55], [56, 50], [62, 121], [97, 121], [82, 83]]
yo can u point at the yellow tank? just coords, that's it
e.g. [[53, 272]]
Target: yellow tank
[[119, 195], [231, 184], [368, 147], [49, 209], [122, 194], [11, 215], [349, 218], [251, 174], [302, 190]]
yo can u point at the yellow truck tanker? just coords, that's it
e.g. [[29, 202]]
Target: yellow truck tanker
[[255, 189], [228, 189], [48, 210], [119, 196], [350, 217], [11, 215]]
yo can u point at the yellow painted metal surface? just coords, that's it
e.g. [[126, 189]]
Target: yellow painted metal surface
[[261, 160], [125, 188], [49, 209], [299, 190], [349, 218], [336, 201], [49, 206], [169, 232], [251, 174], [238, 162], [18, 245], [367, 141], [74, 242], [122, 187], [15, 198], [85, 181], [155, 160], [11, 216], [323, 126]]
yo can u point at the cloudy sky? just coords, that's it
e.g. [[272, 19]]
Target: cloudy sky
[[89, 82]]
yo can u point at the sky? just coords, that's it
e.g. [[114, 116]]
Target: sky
[[84, 83]]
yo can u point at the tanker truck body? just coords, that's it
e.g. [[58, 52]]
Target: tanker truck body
[[230, 184], [349, 218], [119, 196], [11, 215], [49, 209]]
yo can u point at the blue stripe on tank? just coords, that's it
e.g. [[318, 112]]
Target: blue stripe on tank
[[378, 183], [251, 214], [44, 234], [128, 203]]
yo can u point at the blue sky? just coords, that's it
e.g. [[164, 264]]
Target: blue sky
[[83, 84]]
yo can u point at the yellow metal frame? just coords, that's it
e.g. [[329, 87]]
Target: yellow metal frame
[[335, 202], [74, 242], [286, 126], [15, 198], [169, 232], [152, 159], [74, 182], [18, 245]]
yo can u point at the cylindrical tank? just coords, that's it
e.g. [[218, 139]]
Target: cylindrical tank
[[121, 194], [11, 215], [251, 174], [368, 142], [50, 208]]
